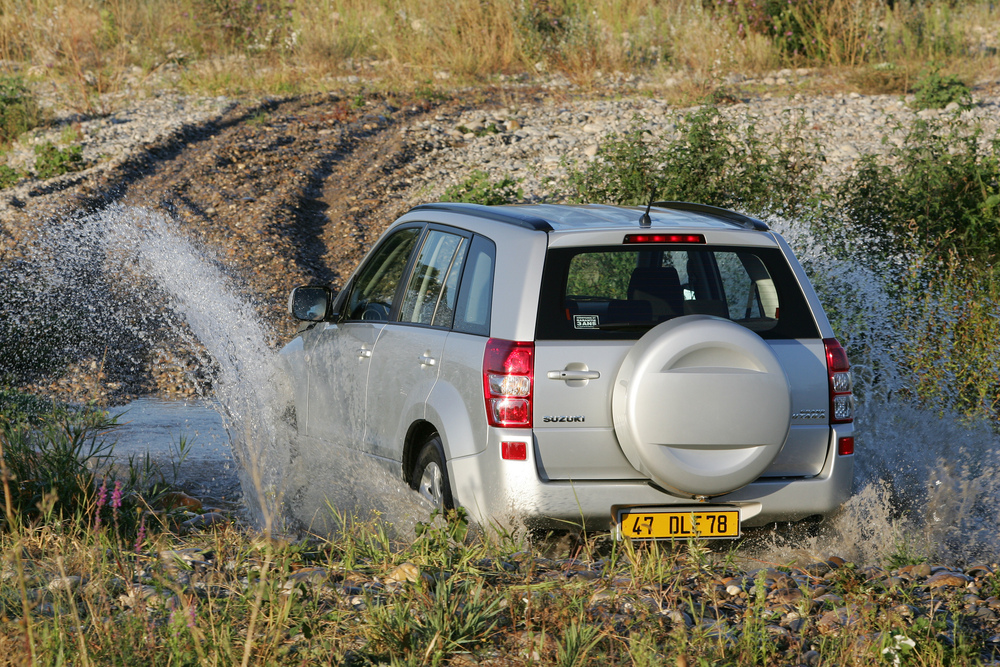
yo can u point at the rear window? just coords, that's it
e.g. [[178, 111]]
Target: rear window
[[601, 293]]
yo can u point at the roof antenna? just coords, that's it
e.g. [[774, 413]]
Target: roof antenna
[[645, 220]]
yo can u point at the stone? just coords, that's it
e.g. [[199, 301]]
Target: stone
[[407, 572], [947, 579]]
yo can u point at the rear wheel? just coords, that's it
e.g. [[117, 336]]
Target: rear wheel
[[430, 475]]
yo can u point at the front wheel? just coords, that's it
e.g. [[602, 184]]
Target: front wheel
[[430, 475]]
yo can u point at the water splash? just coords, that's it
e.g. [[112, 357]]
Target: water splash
[[141, 288], [925, 477]]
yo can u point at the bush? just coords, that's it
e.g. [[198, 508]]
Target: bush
[[51, 160], [478, 188], [935, 91], [50, 458], [712, 162], [941, 195], [18, 110], [9, 176]]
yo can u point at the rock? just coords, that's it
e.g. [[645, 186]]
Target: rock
[[65, 584], [205, 521], [407, 572], [947, 579], [307, 576]]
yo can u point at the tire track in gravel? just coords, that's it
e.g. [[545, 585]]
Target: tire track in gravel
[[282, 193], [293, 195]]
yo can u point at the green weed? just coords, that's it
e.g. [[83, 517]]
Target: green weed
[[9, 176], [479, 188], [936, 91], [939, 192], [712, 162], [19, 112], [50, 160]]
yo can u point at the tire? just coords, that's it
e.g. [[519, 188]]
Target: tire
[[430, 475]]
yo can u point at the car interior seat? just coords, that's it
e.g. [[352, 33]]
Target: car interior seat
[[661, 287]]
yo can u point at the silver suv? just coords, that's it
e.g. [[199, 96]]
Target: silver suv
[[665, 373]]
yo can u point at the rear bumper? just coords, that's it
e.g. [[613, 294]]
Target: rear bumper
[[508, 493]]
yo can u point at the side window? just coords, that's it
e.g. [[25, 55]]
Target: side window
[[475, 299], [430, 295], [742, 298], [374, 289]]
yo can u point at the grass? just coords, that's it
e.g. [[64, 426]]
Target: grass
[[100, 572], [276, 47], [243, 601]]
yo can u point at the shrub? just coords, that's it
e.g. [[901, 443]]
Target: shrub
[[478, 188], [51, 459], [941, 195], [934, 91], [50, 160], [19, 112], [712, 162], [8, 176]]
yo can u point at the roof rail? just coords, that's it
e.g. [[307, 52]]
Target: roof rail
[[744, 221], [498, 213]]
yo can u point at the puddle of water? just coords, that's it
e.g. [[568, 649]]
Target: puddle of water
[[159, 427]]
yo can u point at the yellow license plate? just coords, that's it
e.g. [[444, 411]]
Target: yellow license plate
[[647, 524]]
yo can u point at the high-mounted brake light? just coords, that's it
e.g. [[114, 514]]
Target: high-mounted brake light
[[841, 386], [664, 238], [508, 378]]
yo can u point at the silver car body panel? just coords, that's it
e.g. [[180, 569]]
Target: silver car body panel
[[507, 492], [409, 357], [338, 359]]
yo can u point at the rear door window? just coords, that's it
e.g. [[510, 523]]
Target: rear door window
[[433, 286], [615, 292], [475, 299]]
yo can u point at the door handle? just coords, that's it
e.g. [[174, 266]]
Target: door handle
[[364, 353], [567, 374], [427, 360]]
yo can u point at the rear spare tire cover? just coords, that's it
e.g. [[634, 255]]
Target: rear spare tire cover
[[701, 405]]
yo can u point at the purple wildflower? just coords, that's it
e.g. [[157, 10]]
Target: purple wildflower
[[116, 497], [102, 497], [192, 615], [142, 534], [116, 502]]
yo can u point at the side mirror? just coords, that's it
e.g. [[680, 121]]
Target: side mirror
[[311, 304]]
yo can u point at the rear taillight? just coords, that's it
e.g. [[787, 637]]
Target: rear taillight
[[841, 387], [508, 378]]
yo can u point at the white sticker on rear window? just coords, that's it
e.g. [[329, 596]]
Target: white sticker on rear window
[[585, 321]]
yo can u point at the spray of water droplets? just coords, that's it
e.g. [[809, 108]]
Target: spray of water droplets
[[925, 477], [138, 285]]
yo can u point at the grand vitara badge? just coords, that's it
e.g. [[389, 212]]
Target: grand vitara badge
[[564, 418]]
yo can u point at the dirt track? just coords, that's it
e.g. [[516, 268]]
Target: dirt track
[[284, 193]]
